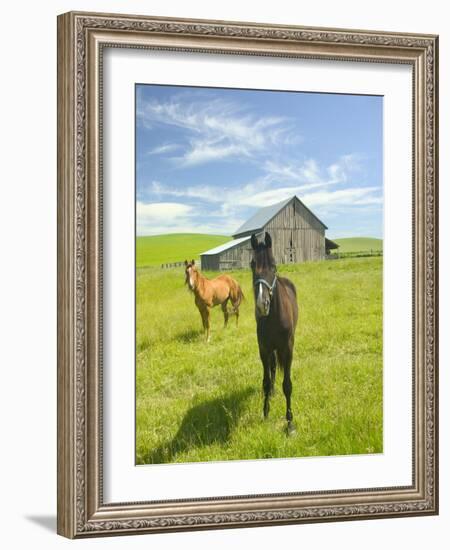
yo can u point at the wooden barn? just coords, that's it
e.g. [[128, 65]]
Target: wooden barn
[[297, 236]]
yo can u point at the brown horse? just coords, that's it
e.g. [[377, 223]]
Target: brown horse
[[276, 314], [212, 292]]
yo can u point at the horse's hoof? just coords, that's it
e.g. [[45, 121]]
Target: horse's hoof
[[290, 428]]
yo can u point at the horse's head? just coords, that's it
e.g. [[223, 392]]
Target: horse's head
[[190, 272], [264, 274]]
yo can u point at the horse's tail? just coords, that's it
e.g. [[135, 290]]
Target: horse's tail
[[241, 296], [236, 294]]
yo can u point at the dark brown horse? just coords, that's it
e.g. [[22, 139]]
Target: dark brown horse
[[212, 292], [276, 314]]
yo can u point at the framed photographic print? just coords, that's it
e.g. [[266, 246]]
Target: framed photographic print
[[247, 274]]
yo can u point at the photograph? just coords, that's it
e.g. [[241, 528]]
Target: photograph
[[259, 274]]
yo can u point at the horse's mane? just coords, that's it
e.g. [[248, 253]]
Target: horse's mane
[[200, 279], [288, 283]]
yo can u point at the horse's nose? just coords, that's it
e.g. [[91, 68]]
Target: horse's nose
[[262, 308]]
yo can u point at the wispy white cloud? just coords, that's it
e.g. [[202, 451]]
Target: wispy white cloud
[[307, 171], [278, 182], [171, 217], [346, 165], [164, 149], [203, 151], [153, 218], [204, 192], [160, 210], [216, 129], [353, 196]]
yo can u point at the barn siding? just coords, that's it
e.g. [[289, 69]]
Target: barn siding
[[238, 257], [210, 262], [307, 233]]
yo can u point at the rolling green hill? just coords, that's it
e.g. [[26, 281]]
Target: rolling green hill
[[359, 244], [176, 247]]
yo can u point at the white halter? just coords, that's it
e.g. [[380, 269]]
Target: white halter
[[271, 287]]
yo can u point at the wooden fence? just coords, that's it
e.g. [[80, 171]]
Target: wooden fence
[[171, 265], [333, 256], [359, 254]]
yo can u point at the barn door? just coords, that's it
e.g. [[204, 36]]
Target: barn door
[[291, 250]]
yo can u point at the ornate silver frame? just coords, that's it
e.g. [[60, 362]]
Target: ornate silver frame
[[81, 37]]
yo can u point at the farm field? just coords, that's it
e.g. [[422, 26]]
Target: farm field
[[159, 249], [203, 402], [359, 244]]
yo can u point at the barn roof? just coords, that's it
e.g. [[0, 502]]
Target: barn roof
[[225, 246], [330, 245], [263, 216]]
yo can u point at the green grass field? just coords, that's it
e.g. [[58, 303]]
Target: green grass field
[[176, 247], [203, 402], [359, 244], [159, 249]]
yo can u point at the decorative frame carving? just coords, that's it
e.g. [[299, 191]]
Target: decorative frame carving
[[81, 37]]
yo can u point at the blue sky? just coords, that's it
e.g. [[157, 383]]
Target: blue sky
[[208, 158]]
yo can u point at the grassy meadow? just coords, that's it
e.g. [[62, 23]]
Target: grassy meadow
[[359, 244], [159, 249], [203, 402]]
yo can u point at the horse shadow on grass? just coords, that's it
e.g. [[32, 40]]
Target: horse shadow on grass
[[188, 336], [205, 424]]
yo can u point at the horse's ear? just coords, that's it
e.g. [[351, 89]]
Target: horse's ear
[[185, 262], [254, 241], [268, 240], [193, 262]]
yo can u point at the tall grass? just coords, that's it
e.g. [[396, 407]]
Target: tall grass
[[202, 402]]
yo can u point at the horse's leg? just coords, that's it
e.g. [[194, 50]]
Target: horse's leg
[[266, 361], [285, 357], [235, 311], [202, 314], [273, 370], [225, 312], [207, 312]]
